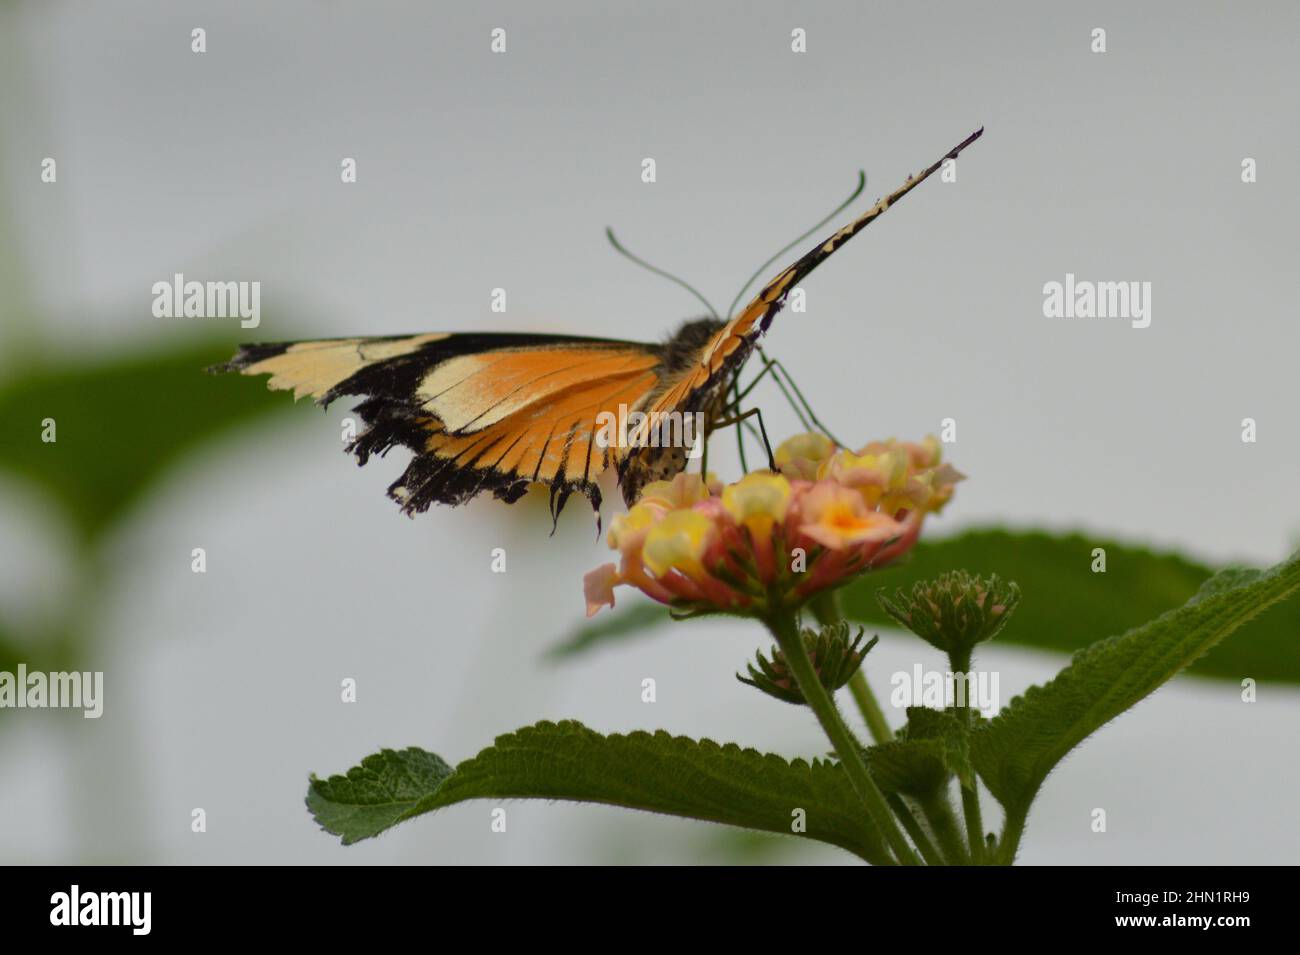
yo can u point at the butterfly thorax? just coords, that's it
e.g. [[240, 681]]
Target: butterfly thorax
[[684, 348], [681, 355]]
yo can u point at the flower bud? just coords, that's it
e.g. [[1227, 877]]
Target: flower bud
[[955, 610], [834, 656]]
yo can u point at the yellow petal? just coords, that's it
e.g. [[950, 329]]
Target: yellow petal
[[677, 542], [758, 498]]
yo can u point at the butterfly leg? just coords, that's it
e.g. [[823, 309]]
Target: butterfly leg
[[740, 435], [704, 458], [737, 395], [740, 419], [740, 440], [777, 370], [732, 407], [772, 363]]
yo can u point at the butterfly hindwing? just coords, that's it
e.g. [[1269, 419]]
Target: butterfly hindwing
[[481, 412]]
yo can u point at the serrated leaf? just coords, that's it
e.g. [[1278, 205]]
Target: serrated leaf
[[1016, 750], [1064, 607], [913, 767], [932, 747], [655, 772], [385, 789], [925, 723]]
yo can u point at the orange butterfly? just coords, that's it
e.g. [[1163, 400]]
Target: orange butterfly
[[501, 412]]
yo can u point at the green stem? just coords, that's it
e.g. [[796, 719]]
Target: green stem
[[869, 708], [914, 829], [827, 609], [1011, 833], [970, 808], [970, 798], [938, 810], [786, 631]]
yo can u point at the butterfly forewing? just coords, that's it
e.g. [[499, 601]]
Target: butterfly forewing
[[732, 343]]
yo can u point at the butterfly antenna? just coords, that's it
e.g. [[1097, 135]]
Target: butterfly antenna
[[657, 271], [862, 184]]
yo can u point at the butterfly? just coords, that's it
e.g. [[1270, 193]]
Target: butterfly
[[501, 412]]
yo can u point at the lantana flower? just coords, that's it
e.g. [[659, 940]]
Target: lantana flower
[[774, 539]]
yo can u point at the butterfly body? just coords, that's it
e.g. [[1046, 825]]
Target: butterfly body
[[646, 461], [498, 413]]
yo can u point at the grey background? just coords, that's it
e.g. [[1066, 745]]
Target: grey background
[[478, 171]]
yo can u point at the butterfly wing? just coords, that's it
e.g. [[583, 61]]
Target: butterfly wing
[[481, 412], [733, 342]]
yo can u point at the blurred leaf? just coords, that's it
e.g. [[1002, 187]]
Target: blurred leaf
[[119, 424], [10, 654], [653, 772], [616, 627], [1016, 750], [743, 847], [44, 657], [1064, 607]]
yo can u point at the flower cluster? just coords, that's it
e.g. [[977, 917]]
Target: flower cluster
[[774, 539]]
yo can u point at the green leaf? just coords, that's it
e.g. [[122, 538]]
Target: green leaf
[[1016, 750], [119, 424], [928, 750], [385, 789], [656, 772], [927, 724], [914, 767], [1065, 606]]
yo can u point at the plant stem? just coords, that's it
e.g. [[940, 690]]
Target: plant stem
[[938, 810], [783, 627], [931, 855], [1012, 830], [827, 609], [970, 798], [970, 808], [869, 708]]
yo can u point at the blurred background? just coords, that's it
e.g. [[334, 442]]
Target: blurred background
[[477, 171]]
